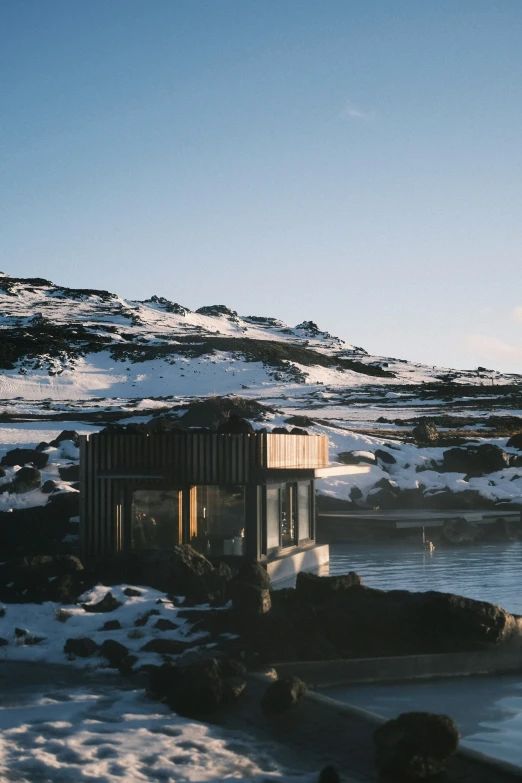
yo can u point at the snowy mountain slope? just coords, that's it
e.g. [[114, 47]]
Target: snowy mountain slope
[[95, 358], [67, 343]]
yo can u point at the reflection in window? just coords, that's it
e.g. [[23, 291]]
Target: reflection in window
[[288, 515], [273, 518], [218, 520], [303, 511], [155, 518]]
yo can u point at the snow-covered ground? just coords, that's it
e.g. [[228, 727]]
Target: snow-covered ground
[[102, 730], [108, 735]]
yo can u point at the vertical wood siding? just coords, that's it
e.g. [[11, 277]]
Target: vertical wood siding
[[111, 466]]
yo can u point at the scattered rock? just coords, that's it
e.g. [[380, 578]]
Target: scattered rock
[[356, 457], [425, 432], [3, 642], [131, 592], [164, 624], [114, 652], [2, 472], [107, 604], [111, 625], [19, 632], [25, 480], [66, 435], [300, 421], [48, 487], [283, 694], [515, 441], [42, 446], [385, 456], [25, 456], [70, 473], [166, 646], [81, 648], [415, 745]]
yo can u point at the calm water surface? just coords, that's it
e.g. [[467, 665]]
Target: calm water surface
[[487, 572], [487, 710]]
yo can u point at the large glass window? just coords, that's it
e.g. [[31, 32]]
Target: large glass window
[[304, 510], [155, 517], [218, 520]]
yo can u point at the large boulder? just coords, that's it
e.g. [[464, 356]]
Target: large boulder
[[24, 457], [475, 461], [58, 578], [250, 600], [65, 504], [80, 648], [193, 690], [415, 745], [310, 587], [25, 480], [283, 694], [177, 571], [235, 425], [252, 573], [107, 604], [515, 441], [385, 457], [66, 435], [357, 458], [70, 473]]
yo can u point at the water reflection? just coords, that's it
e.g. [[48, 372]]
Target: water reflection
[[487, 572]]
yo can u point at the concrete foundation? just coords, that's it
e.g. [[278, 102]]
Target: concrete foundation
[[288, 565]]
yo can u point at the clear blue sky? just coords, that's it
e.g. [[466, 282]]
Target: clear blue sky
[[357, 163]]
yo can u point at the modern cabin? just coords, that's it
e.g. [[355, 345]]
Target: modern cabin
[[229, 496]]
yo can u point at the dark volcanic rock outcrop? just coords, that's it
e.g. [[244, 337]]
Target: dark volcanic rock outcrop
[[344, 619], [177, 571]]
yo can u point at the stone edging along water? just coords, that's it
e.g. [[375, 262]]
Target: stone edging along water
[[377, 720], [325, 674]]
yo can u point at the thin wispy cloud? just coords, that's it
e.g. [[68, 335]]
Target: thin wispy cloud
[[354, 112], [491, 348], [517, 314]]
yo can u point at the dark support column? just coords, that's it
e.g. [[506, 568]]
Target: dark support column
[[253, 521]]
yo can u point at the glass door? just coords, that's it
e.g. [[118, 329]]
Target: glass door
[[281, 516]]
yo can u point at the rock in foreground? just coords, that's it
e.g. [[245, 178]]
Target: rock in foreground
[[415, 745]]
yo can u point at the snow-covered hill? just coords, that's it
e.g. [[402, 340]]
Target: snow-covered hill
[[93, 357]]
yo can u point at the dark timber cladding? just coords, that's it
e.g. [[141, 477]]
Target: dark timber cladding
[[111, 465]]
